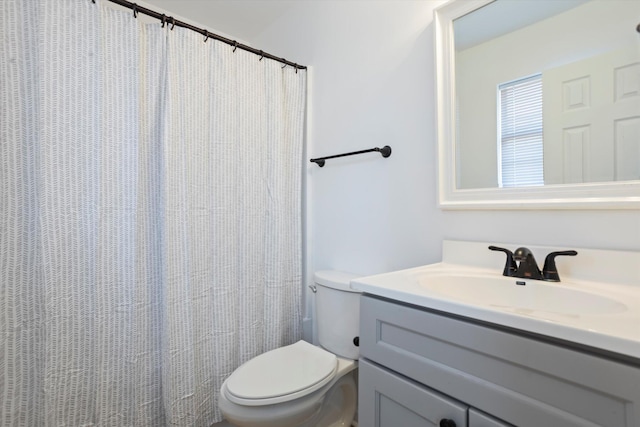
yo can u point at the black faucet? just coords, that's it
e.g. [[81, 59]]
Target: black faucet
[[549, 271], [522, 264], [527, 265], [510, 267]]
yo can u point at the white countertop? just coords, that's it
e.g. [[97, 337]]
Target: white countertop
[[613, 326]]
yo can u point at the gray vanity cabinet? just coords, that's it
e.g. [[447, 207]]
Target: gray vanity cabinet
[[479, 419], [418, 367], [390, 400]]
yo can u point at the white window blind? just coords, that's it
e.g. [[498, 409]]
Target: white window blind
[[520, 145]]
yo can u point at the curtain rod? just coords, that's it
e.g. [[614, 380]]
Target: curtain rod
[[170, 20]]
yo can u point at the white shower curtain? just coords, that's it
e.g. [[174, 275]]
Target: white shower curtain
[[149, 216]]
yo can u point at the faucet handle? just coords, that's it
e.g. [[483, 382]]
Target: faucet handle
[[510, 266], [550, 271]]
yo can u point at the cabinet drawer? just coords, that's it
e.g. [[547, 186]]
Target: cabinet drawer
[[525, 382], [388, 400]]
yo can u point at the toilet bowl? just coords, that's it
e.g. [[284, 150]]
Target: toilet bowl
[[303, 385]]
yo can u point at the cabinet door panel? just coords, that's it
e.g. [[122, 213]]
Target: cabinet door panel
[[389, 400], [479, 419]]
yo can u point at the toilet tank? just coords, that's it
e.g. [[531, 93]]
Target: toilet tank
[[337, 313]]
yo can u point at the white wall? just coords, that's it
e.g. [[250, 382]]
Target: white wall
[[372, 84]]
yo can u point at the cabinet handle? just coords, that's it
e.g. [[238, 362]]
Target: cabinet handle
[[447, 423]]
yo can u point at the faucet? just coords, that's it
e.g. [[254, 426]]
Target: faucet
[[527, 265], [522, 264], [549, 271], [510, 267]]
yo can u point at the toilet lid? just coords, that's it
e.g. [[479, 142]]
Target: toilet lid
[[281, 375]]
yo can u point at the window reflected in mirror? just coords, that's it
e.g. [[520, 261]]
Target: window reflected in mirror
[[520, 133]]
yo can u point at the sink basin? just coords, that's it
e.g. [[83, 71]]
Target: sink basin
[[597, 303], [525, 297]]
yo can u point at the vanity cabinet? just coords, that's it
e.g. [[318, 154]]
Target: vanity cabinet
[[419, 367], [390, 400]]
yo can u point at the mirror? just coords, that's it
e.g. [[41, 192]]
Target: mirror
[[538, 103]]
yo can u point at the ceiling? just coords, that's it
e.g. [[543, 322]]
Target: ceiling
[[236, 19], [502, 17]]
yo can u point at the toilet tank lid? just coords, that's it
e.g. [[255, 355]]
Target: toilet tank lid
[[335, 279]]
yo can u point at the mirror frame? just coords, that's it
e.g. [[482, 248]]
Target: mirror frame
[[607, 195]]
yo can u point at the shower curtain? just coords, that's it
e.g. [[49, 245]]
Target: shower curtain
[[150, 220]]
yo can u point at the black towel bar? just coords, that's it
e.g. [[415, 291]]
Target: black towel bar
[[385, 151]]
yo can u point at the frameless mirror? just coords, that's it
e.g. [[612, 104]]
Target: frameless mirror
[[538, 103]]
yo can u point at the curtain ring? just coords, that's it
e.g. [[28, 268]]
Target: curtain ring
[[164, 20], [285, 64], [173, 22], [296, 65], [206, 33], [261, 55], [93, 1], [235, 45], [135, 10]]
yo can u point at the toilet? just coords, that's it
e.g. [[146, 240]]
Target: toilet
[[303, 385]]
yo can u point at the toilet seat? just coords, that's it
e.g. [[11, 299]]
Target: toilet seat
[[281, 375]]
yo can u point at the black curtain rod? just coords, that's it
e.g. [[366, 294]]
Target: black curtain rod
[[170, 20], [385, 151]]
